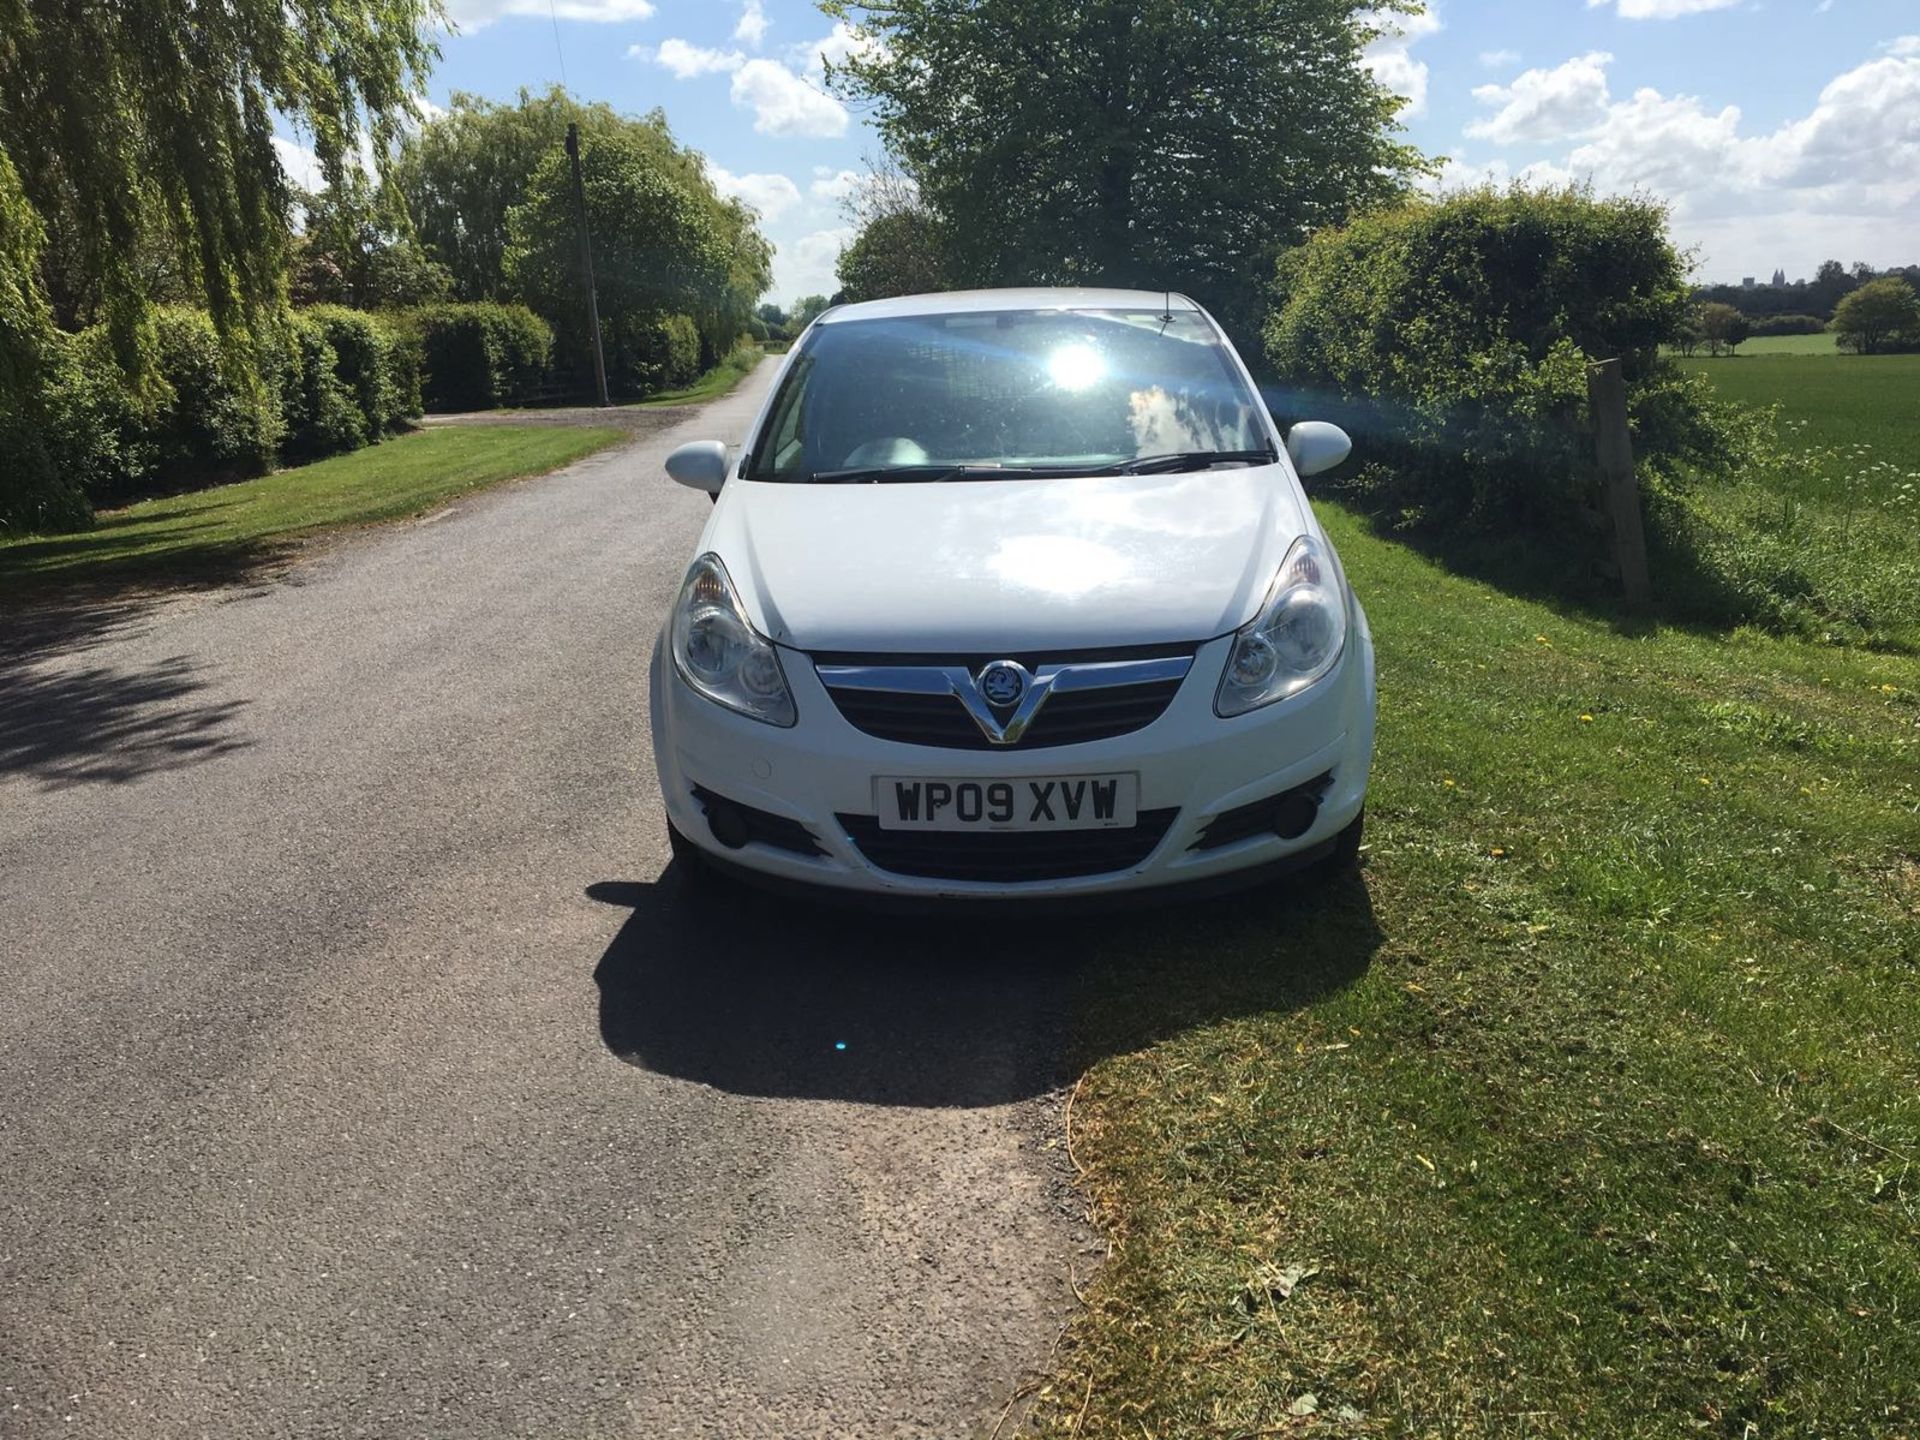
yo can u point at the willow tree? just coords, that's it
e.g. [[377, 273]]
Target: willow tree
[[1183, 143], [141, 131]]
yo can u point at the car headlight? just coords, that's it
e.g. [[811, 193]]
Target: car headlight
[[719, 653], [1295, 639]]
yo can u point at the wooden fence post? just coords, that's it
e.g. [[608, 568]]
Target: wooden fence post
[[1607, 394]]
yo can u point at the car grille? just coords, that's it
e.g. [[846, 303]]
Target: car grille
[[1008, 857], [942, 721], [916, 703]]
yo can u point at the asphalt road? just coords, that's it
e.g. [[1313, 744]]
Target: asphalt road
[[365, 1069]]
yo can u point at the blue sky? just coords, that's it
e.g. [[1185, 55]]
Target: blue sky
[[1781, 131]]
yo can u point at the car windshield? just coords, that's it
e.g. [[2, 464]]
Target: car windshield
[[949, 396]]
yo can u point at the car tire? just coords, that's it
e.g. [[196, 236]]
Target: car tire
[[694, 871], [1346, 846]]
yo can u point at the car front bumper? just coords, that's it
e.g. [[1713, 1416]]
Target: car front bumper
[[819, 775]]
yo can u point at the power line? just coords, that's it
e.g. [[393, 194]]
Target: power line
[[554, 15]]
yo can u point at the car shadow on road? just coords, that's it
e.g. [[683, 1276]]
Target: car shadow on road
[[775, 997]]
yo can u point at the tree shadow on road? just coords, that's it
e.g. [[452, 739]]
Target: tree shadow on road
[[67, 719], [777, 997]]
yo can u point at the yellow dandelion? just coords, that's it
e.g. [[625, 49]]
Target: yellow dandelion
[[1499, 852], [1586, 719], [1706, 780], [1448, 782]]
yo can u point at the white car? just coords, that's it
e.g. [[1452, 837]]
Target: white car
[[1013, 594]]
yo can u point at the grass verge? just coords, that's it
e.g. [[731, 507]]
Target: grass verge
[[1592, 1109], [208, 533], [718, 381]]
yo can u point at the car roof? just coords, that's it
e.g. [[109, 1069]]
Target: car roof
[[955, 302]]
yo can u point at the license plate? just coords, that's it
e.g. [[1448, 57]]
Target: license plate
[[1047, 802]]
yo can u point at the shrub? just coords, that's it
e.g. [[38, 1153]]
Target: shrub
[[480, 356], [363, 350], [200, 427], [317, 408], [1764, 325], [1453, 337], [666, 354], [404, 367]]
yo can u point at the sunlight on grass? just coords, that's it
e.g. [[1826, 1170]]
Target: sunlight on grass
[[1595, 1113]]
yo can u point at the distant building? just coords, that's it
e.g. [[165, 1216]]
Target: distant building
[[1779, 279], [1749, 283]]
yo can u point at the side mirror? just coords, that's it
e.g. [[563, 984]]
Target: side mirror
[[700, 465], [1315, 446]]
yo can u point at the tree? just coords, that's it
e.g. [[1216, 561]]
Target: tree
[[1830, 286], [1175, 143], [462, 172], [657, 253], [774, 317], [1689, 336], [356, 249], [149, 132], [898, 254], [1879, 313], [1724, 328], [804, 309], [465, 172]]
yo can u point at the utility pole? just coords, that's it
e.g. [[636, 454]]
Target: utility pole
[[586, 263]]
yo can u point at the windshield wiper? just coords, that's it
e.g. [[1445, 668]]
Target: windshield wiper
[[1185, 460], [921, 474]]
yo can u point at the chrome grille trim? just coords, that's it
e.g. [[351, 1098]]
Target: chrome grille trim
[[1045, 681]]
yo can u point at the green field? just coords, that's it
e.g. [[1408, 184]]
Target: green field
[[1827, 532], [223, 531], [1592, 1109], [1826, 343], [1835, 400]]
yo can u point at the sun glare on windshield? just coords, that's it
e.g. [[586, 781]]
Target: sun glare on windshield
[[1075, 367]]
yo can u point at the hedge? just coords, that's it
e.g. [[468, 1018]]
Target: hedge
[[1453, 338], [374, 362], [319, 410], [1764, 325], [479, 356], [77, 435]]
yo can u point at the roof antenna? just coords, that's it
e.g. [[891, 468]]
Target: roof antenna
[[1166, 305]]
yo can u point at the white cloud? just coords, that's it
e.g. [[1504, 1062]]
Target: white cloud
[[687, 61], [1458, 173], [473, 15], [785, 104], [771, 195], [752, 28], [1390, 56], [1546, 104], [831, 184], [1499, 59], [805, 266], [1905, 47], [1661, 9], [1842, 180], [300, 163], [836, 47]]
